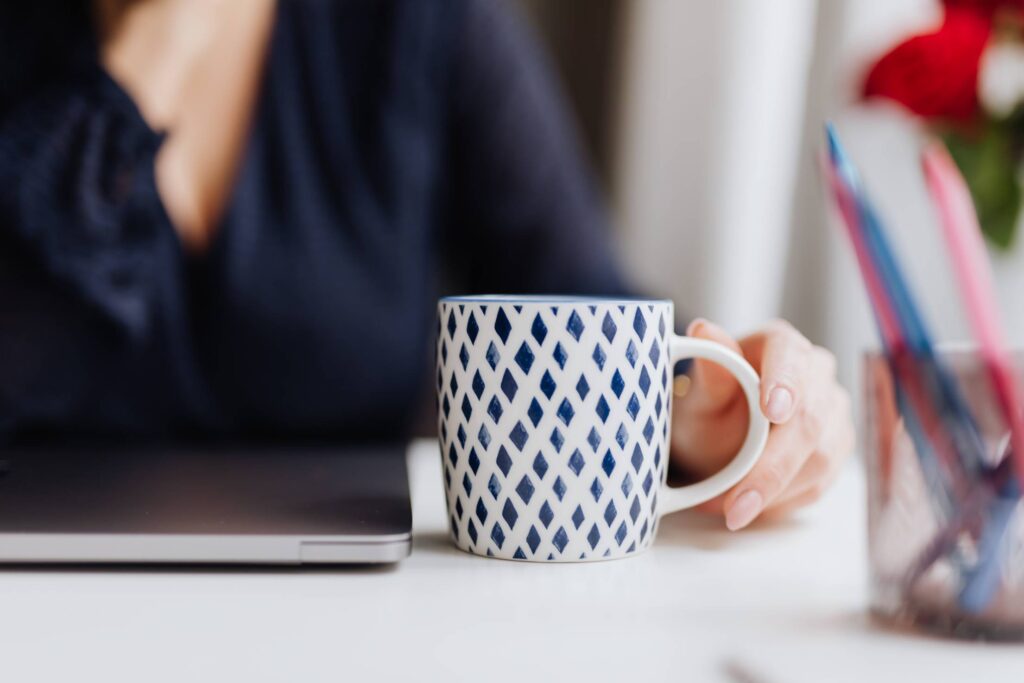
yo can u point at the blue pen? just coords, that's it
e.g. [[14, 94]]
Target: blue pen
[[965, 434], [892, 339], [943, 484], [981, 581]]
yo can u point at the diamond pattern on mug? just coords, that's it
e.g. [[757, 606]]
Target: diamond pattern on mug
[[547, 384], [534, 412], [645, 381], [582, 388], [533, 539], [559, 488], [524, 357], [633, 406], [622, 435], [566, 412], [608, 464], [519, 435], [539, 329], [609, 328], [577, 517], [617, 384], [639, 324], [493, 357], [510, 514], [632, 354], [529, 381], [497, 535], [503, 461], [610, 513], [508, 385], [525, 489], [574, 325], [576, 462], [557, 439], [540, 465], [495, 410], [546, 514], [559, 540], [501, 325], [560, 355]]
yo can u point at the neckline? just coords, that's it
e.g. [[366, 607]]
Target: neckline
[[256, 122]]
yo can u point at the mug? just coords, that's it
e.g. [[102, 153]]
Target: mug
[[553, 423]]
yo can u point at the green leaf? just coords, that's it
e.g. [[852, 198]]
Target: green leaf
[[988, 161]]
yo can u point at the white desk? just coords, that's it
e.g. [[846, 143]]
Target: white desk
[[775, 604]]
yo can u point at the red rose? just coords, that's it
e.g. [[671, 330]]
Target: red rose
[[935, 75], [986, 7]]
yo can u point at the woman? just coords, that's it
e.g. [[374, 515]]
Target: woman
[[231, 216]]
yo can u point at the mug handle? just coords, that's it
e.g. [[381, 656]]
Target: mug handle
[[672, 499]]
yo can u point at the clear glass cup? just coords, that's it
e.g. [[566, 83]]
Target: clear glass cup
[[907, 513]]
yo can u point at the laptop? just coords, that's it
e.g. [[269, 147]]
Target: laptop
[[279, 504]]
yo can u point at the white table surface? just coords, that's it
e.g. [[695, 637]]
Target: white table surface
[[778, 603]]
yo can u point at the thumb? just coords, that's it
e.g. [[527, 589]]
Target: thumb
[[712, 387]]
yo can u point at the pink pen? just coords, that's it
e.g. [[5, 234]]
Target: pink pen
[[967, 252]]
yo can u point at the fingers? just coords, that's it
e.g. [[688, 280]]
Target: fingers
[[821, 469], [785, 358], [812, 430], [713, 387], [813, 479], [805, 444], [791, 505], [789, 446]]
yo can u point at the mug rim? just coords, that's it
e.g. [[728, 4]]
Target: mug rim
[[549, 299]]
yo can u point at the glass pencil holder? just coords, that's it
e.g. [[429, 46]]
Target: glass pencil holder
[[944, 556]]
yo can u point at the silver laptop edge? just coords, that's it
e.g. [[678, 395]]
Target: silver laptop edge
[[187, 549], [278, 504]]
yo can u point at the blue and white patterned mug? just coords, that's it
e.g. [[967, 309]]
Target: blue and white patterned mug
[[553, 418]]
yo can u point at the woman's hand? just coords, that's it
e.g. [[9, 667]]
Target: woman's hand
[[812, 426]]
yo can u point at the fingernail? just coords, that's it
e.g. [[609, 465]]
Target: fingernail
[[780, 403], [694, 326], [744, 510]]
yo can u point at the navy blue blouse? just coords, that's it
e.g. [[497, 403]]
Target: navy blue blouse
[[397, 145]]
